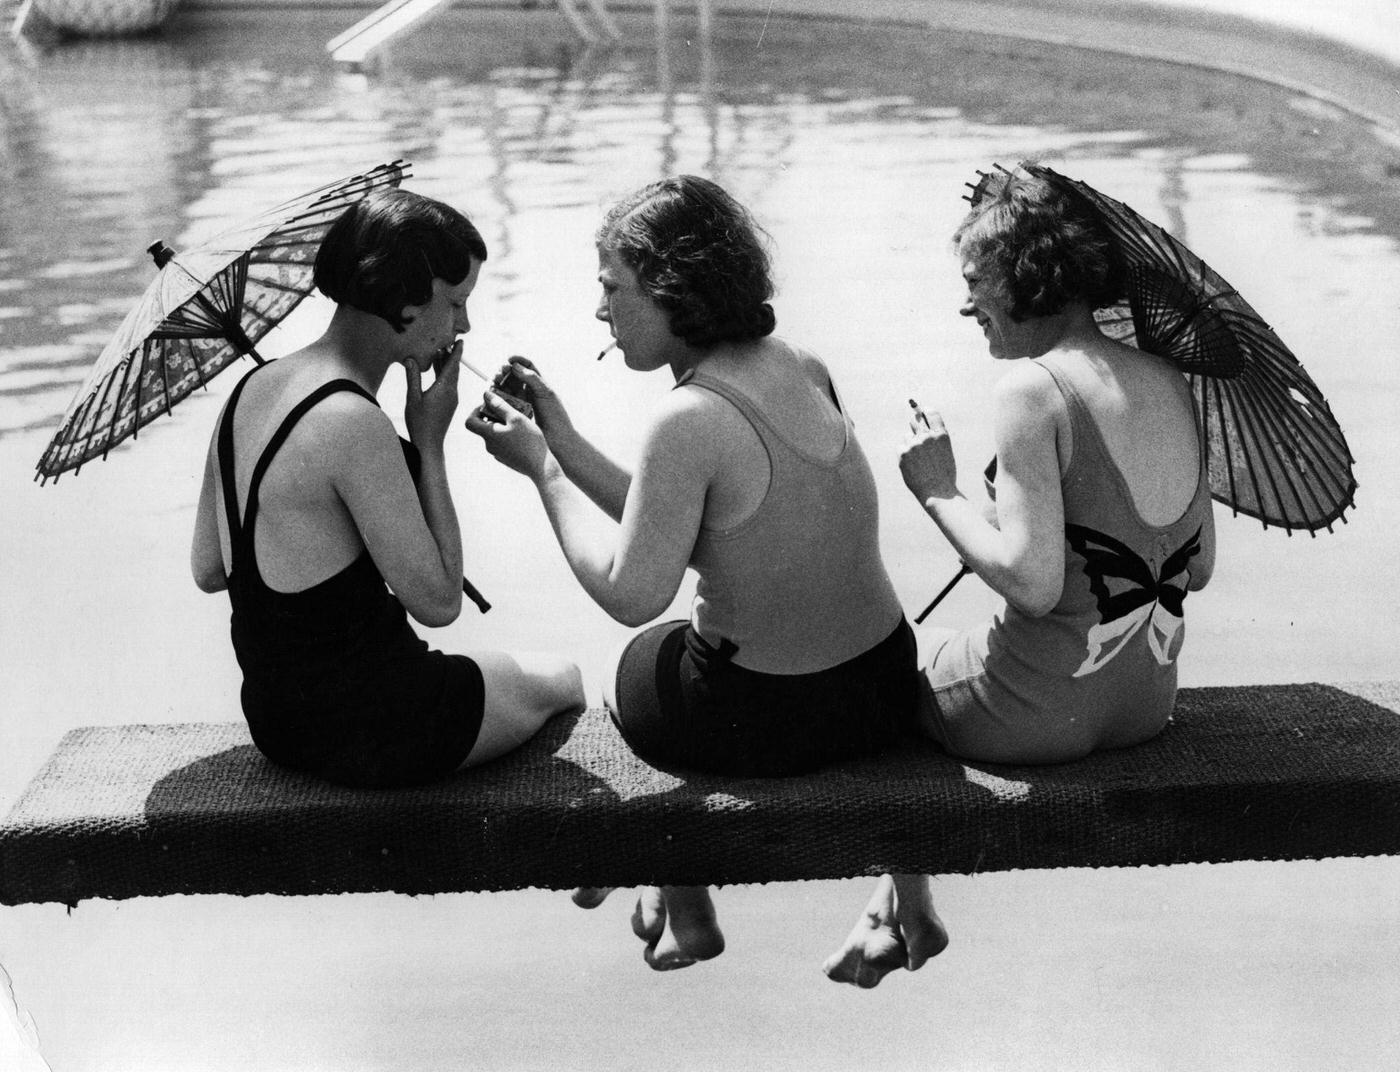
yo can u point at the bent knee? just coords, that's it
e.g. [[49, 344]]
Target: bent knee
[[531, 685]]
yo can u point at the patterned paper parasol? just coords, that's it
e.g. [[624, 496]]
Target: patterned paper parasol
[[207, 307], [1273, 449]]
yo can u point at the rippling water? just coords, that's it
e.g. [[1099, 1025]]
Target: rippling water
[[852, 144]]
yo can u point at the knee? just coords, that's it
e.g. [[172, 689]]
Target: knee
[[557, 687], [569, 685]]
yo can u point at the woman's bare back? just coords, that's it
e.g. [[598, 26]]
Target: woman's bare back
[[1142, 408], [304, 534], [782, 383]]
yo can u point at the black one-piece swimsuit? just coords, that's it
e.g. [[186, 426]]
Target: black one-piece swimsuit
[[336, 683]]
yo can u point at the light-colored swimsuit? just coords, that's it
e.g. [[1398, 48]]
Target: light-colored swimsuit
[[799, 585], [797, 653], [1098, 671]]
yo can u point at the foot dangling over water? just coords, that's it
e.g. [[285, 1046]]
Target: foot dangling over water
[[678, 925], [893, 932], [591, 896]]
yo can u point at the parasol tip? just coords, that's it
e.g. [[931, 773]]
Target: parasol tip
[[160, 253]]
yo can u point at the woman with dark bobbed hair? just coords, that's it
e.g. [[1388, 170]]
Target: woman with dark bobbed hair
[[1099, 524], [796, 653], [311, 505]]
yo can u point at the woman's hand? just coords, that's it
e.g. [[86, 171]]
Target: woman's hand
[[428, 414], [511, 438], [550, 414], [926, 462]]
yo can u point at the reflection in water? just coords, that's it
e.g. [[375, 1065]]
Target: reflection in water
[[109, 145], [852, 146]]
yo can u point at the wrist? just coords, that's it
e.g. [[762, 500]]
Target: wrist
[[560, 434], [430, 449], [549, 471], [940, 500]]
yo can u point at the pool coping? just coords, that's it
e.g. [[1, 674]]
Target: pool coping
[[1363, 84]]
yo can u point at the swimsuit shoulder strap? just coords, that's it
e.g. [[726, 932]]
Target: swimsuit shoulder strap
[[226, 471], [278, 438]]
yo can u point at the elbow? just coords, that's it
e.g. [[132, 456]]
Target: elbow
[[438, 612], [637, 612], [1036, 601], [210, 580], [1200, 577], [634, 617]]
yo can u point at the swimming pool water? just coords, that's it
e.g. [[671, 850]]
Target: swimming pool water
[[851, 143]]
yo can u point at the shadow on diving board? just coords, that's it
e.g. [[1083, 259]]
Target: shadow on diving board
[[1279, 772]]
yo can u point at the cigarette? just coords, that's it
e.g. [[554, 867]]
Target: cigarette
[[918, 413], [476, 370], [607, 349]]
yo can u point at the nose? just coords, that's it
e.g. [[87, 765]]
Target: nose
[[601, 313], [462, 323]]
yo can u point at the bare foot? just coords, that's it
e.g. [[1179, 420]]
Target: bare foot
[[923, 932], [691, 932], [874, 947], [591, 896], [649, 917]]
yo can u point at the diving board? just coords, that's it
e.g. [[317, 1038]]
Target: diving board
[[1280, 772]]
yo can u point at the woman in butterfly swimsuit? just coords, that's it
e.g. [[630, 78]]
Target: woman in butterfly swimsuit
[[1100, 523], [327, 530]]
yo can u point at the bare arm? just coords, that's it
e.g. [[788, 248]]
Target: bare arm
[[603, 480], [632, 569], [411, 533], [1021, 556], [206, 554]]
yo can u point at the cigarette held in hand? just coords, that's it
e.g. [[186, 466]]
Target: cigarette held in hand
[[918, 413], [473, 368]]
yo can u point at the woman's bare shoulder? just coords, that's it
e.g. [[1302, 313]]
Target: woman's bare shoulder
[[1027, 385], [810, 364]]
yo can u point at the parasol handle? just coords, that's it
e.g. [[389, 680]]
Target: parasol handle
[[963, 571], [469, 590]]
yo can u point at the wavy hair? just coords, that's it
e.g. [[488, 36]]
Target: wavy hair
[[384, 252], [1047, 244], [699, 254]]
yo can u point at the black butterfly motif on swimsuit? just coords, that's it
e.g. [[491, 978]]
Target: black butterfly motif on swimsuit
[[1129, 595]]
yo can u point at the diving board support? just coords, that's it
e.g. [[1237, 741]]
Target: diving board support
[[353, 48], [1270, 772]]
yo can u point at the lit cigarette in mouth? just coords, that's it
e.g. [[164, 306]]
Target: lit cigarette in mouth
[[607, 349]]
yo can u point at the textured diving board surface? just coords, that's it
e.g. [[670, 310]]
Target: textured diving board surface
[[1265, 772]]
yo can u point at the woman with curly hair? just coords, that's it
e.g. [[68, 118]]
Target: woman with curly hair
[[1099, 524], [796, 653]]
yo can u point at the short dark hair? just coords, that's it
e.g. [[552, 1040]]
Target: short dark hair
[[1047, 243], [699, 254], [385, 250]]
